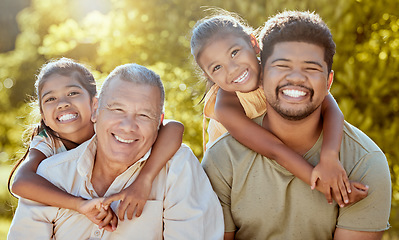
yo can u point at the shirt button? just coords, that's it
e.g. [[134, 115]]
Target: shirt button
[[97, 233]]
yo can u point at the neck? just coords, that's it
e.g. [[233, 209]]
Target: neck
[[299, 135], [104, 174], [75, 139]]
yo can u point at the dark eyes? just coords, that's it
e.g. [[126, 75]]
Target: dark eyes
[[217, 67], [234, 53], [73, 93], [49, 99]]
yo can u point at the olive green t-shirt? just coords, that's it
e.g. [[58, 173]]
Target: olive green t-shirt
[[262, 200]]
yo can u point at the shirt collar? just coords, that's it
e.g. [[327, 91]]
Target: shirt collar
[[85, 162]]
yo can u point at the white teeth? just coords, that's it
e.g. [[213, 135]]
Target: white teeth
[[294, 93], [242, 77], [123, 140], [67, 117]]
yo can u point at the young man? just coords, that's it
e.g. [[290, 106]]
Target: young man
[[261, 199]]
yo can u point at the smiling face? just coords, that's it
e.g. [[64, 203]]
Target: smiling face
[[231, 63], [296, 79], [66, 107], [127, 121]]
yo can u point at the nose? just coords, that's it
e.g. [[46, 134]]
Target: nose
[[129, 124], [232, 67], [296, 76], [63, 103]]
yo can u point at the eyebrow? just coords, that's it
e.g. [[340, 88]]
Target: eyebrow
[[281, 59], [68, 86], [315, 63], [308, 62]]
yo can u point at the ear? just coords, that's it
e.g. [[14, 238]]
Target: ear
[[255, 44], [94, 109], [330, 79], [161, 119]]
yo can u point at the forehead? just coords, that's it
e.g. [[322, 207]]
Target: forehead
[[129, 93], [298, 51], [220, 43], [57, 81]]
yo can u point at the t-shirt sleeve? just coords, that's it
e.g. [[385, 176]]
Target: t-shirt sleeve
[[372, 212], [220, 175], [42, 144]]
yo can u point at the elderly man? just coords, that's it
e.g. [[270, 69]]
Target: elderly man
[[182, 204], [261, 199]]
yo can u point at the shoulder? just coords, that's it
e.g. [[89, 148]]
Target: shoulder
[[60, 163], [357, 146], [360, 139], [183, 156], [228, 145]]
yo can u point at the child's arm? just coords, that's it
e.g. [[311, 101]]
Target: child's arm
[[330, 169], [29, 185], [230, 113], [135, 196]]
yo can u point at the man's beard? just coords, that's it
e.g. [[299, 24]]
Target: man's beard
[[293, 114]]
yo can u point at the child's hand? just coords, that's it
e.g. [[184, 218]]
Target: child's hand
[[95, 211], [132, 198], [359, 192], [332, 176]]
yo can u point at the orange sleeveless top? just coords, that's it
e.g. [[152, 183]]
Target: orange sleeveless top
[[254, 104]]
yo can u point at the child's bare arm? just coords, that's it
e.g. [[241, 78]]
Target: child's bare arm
[[169, 140], [230, 113], [329, 170], [30, 185]]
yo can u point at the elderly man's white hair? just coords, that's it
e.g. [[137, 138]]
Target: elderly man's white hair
[[136, 74]]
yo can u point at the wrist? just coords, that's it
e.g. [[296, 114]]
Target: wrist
[[145, 178], [77, 203], [328, 154]]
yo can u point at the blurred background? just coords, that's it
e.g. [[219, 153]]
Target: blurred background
[[106, 33]]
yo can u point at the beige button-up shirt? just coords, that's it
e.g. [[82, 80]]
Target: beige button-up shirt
[[182, 204]]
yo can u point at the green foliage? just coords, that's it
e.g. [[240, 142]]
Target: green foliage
[[156, 33]]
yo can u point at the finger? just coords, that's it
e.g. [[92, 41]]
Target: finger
[[101, 215], [130, 210], [347, 183], [327, 194], [114, 221], [107, 201], [337, 196], [98, 203], [106, 221], [139, 209], [342, 189], [122, 209], [313, 181], [360, 186]]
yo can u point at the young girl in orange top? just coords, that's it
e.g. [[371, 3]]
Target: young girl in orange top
[[66, 93]]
